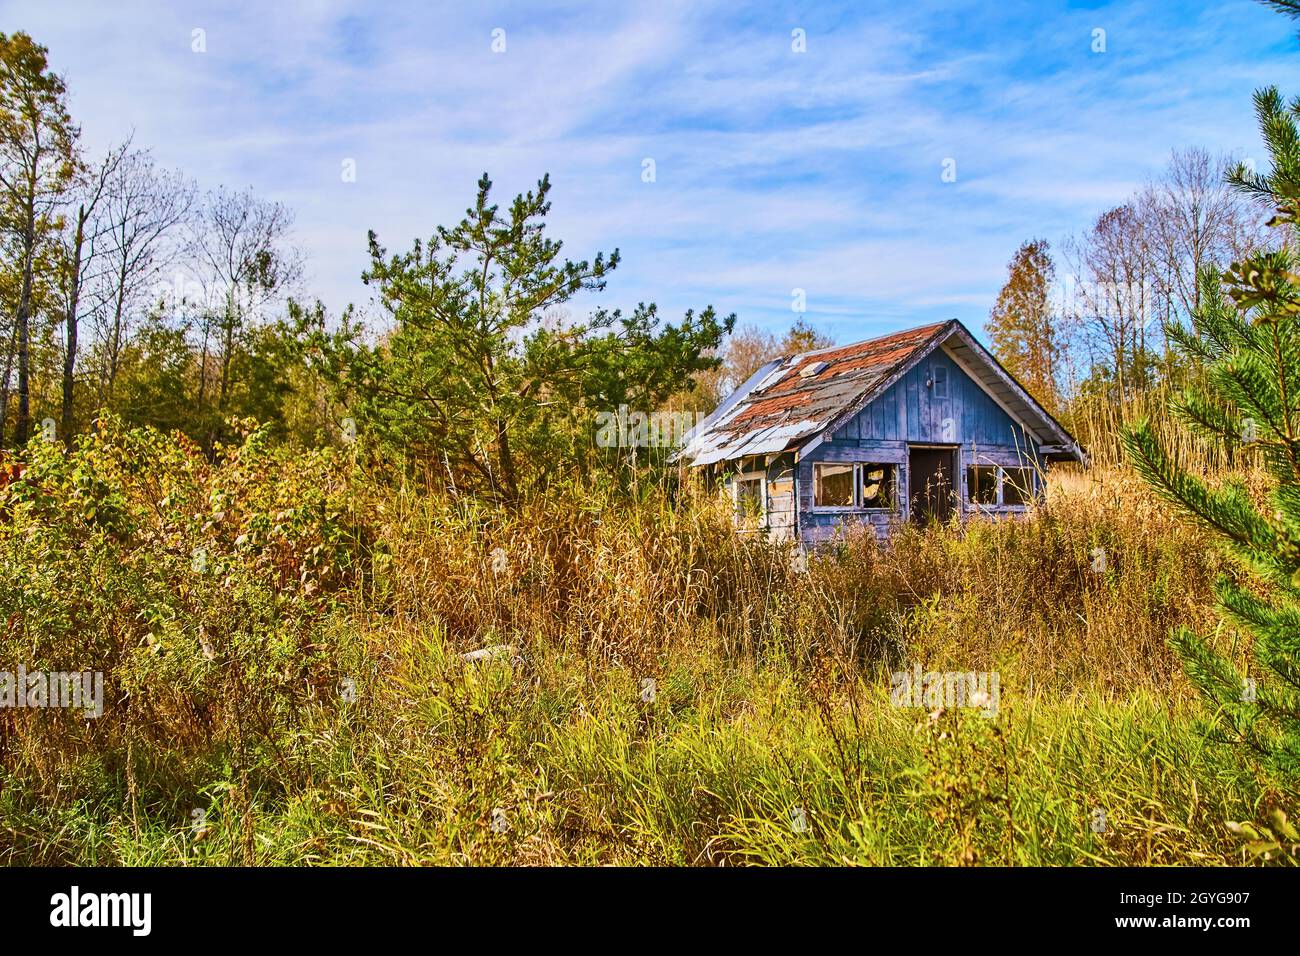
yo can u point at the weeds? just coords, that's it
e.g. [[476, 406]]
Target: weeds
[[300, 696]]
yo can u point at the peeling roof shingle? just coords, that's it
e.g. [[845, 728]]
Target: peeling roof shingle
[[785, 408]]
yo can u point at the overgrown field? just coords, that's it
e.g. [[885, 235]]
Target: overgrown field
[[281, 640]]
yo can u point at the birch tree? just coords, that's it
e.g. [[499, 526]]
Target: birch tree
[[82, 242]]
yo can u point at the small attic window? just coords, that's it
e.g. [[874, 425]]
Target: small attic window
[[811, 369], [939, 378]]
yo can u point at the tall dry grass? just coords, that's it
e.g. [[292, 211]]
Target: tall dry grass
[[622, 585], [307, 690]]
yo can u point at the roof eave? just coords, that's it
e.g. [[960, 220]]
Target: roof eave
[[1057, 432]]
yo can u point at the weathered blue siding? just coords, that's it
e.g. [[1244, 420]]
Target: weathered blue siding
[[909, 413]]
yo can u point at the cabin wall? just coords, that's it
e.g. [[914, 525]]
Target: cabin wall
[[909, 413], [780, 512], [816, 525]]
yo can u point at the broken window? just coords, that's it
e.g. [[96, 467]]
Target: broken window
[[879, 484], [855, 485], [939, 375], [982, 484], [833, 485], [1017, 486], [750, 504]]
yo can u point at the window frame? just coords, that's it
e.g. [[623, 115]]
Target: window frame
[[853, 474], [1031, 493], [745, 477], [1000, 476], [858, 470], [937, 380], [971, 485], [862, 467]]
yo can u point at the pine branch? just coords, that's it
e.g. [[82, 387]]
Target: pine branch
[[1225, 511]]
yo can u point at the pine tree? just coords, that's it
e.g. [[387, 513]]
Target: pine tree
[[1249, 340], [474, 378]]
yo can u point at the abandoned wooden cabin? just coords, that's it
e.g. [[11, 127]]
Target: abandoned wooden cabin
[[920, 425]]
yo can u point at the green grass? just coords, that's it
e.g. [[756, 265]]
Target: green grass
[[715, 771]]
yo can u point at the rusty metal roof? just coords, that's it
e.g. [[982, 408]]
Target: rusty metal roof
[[792, 402], [791, 399]]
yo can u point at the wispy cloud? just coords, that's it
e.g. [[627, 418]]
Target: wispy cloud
[[774, 169]]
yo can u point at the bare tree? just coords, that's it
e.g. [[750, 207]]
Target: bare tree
[[240, 244], [1194, 219], [142, 208], [1135, 271], [81, 243], [1111, 298]]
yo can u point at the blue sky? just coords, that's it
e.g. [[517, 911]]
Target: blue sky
[[774, 170]]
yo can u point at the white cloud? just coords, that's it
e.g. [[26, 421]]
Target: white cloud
[[774, 169]]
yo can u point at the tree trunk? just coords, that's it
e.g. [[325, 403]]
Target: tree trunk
[[115, 349], [70, 352], [23, 421], [227, 351], [4, 382], [509, 484]]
